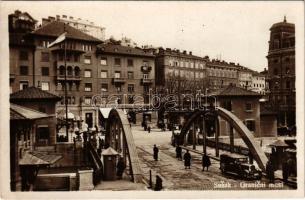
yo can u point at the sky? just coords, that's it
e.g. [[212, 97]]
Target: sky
[[231, 31]]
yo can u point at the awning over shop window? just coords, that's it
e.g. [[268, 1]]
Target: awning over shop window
[[105, 112], [39, 158], [20, 112]]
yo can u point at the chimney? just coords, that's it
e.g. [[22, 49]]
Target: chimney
[[51, 19], [190, 53], [45, 21]]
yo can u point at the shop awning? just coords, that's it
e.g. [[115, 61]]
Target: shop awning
[[278, 143], [105, 112], [39, 158], [20, 112]]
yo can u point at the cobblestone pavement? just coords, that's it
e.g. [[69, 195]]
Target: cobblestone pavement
[[176, 177]]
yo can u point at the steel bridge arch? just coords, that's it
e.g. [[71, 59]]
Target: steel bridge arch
[[256, 151], [119, 137]]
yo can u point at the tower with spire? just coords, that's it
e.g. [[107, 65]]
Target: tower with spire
[[281, 71]]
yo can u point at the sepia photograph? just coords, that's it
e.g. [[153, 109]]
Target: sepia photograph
[[163, 99]]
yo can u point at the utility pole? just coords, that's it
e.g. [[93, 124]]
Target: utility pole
[[66, 100]]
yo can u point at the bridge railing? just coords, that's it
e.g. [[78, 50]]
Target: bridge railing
[[227, 147], [97, 163]]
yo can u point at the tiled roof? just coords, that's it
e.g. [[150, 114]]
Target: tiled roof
[[232, 90], [31, 93], [56, 28], [119, 49], [20, 112]]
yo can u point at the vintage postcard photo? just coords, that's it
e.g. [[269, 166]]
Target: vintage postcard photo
[[152, 99]]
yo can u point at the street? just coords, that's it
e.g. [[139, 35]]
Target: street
[[176, 177]]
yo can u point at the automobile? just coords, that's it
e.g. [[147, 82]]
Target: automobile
[[239, 166]]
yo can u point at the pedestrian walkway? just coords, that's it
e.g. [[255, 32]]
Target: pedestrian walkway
[[119, 185]]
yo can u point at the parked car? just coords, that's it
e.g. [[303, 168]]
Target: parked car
[[239, 166]]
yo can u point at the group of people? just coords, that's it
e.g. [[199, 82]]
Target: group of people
[[187, 159]]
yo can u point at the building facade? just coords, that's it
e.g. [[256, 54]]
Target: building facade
[[258, 83], [281, 72], [221, 74], [180, 72], [116, 74], [242, 103]]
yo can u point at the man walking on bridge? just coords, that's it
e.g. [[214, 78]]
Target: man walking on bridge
[[187, 159], [156, 151], [205, 162]]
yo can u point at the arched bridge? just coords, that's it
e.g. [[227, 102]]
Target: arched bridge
[[119, 136], [235, 123]]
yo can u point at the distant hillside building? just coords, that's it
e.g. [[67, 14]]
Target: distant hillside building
[[83, 25], [281, 72]]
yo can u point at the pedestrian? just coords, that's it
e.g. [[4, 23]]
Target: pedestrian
[[148, 129], [85, 136], [270, 171], [205, 162], [178, 152], [120, 168], [187, 159], [145, 126], [156, 151], [285, 171], [158, 185]]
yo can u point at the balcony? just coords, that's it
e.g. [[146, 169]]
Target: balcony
[[146, 81], [146, 68], [69, 78], [12, 77], [68, 63], [118, 80]]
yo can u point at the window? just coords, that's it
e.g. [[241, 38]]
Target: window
[[43, 132], [288, 84], [88, 100], [23, 55], [248, 106], [118, 88], [24, 70], [88, 87], [69, 71], [287, 70], [129, 62], [227, 105], [275, 72], [145, 63], [103, 61], [250, 125], [117, 75], [130, 75], [130, 88], [103, 74], [76, 71], [44, 56], [87, 60], [145, 76], [45, 86], [23, 84], [117, 61], [44, 71], [87, 73], [104, 87]]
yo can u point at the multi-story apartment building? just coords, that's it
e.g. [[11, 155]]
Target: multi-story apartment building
[[83, 25], [113, 72], [281, 71], [258, 83], [221, 74], [21, 50], [245, 77], [125, 73], [180, 72]]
